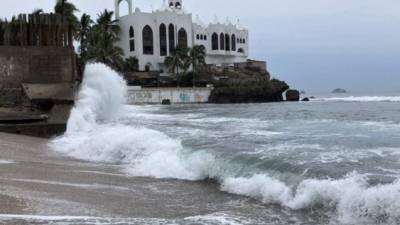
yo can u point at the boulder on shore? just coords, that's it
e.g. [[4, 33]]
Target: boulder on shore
[[166, 102], [292, 95], [305, 100]]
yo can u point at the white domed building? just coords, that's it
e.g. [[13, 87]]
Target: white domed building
[[151, 36]]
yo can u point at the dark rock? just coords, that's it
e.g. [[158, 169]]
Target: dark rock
[[312, 97], [293, 95], [248, 92], [339, 91], [305, 100], [166, 102]]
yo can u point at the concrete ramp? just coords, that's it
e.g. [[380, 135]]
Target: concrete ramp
[[56, 93]]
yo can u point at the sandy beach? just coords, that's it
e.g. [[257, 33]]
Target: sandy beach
[[39, 186]]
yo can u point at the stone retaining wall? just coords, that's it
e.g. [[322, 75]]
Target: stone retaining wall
[[35, 65]]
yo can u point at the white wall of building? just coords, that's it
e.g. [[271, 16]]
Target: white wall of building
[[170, 14]]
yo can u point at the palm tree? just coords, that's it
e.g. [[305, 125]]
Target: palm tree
[[102, 39], [67, 10], [84, 30], [173, 62], [197, 57], [179, 59]]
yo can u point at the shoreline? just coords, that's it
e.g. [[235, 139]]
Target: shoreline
[[39, 185]]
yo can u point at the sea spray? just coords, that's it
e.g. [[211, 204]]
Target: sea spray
[[100, 99], [95, 133]]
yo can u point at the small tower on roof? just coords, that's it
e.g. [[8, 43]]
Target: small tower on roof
[[117, 11], [175, 4]]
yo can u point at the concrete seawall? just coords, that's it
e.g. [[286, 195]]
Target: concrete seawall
[[174, 95]]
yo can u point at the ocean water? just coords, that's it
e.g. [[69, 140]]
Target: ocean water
[[335, 159]]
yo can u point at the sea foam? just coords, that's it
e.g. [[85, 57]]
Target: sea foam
[[363, 99], [354, 200]]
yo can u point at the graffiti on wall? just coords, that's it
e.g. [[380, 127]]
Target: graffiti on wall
[[156, 95], [184, 98]]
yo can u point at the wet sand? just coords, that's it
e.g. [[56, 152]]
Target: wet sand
[[39, 186]]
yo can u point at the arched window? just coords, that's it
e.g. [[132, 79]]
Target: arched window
[[227, 42], [131, 39], [182, 38], [214, 41], [163, 40], [205, 37], [233, 42], [244, 41], [201, 37], [222, 41], [171, 37], [198, 36], [178, 5], [238, 40], [148, 41], [131, 32], [132, 45], [171, 5]]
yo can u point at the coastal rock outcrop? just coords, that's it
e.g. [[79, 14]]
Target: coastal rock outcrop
[[339, 91], [305, 100], [249, 92], [293, 95]]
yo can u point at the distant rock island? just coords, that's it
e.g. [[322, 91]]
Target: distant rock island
[[339, 91]]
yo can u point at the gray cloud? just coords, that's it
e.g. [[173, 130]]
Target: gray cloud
[[315, 45]]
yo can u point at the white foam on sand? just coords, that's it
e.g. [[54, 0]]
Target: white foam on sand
[[13, 219], [3, 161], [219, 219]]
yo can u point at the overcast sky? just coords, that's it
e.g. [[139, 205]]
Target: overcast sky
[[315, 45]]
